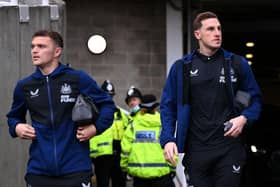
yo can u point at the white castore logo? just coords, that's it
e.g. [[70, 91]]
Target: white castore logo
[[34, 93], [85, 185], [236, 169], [194, 73]]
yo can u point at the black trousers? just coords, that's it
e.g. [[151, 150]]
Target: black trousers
[[81, 179], [216, 168], [164, 181], [108, 167]]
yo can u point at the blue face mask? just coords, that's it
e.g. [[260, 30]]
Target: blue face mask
[[135, 109]]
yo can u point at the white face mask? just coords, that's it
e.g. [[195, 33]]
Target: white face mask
[[135, 109]]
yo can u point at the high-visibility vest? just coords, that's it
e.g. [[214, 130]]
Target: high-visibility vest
[[103, 144], [119, 125], [142, 155]]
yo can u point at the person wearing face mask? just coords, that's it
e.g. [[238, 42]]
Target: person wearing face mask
[[133, 100], [142, 156]]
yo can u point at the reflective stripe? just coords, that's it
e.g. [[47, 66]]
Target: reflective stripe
[[145, 141], [103, 144], [148, 165]]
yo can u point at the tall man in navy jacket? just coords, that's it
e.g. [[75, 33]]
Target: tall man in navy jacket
[[59, 152], [199, 99]]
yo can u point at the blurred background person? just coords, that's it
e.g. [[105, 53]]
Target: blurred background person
[[142, 155], [133, 100], [105, 148]]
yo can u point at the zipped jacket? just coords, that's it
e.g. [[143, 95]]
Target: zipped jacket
[[142, 155], [49, 100], [175, 105]]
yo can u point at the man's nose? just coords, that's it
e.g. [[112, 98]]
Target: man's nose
[[34, 49], [218, 31]]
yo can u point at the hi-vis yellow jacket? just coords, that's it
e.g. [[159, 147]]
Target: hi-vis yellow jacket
[[142, 155], [103, 144]]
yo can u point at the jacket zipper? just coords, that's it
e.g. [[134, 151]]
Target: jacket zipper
[[52, 123]]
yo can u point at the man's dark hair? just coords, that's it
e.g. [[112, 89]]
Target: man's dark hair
[[55, 36], [202, 16]]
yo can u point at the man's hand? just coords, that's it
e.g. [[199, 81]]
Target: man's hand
[[238, 124], [86, 132], [25, 131], [171, 152]]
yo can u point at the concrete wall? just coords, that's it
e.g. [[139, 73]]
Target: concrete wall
[[15, 39], [136, 35]]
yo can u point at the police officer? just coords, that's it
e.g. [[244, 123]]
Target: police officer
[[142, 156], [133, 100], [105, 148]]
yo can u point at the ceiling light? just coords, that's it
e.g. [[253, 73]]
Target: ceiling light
[[250, 44], [249, 55], [96, 44]]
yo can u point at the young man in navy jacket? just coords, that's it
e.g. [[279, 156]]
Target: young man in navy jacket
[[59, 152], [199, 99]]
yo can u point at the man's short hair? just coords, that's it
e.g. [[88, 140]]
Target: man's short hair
[[202, 16], [55, 36]]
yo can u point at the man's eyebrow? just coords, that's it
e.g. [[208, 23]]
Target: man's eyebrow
[[39, 45]]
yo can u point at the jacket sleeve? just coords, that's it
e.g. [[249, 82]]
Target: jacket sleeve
[[249, 84], [124, 118], [168, 108], [17, 114], [126, 145], [104, 102]]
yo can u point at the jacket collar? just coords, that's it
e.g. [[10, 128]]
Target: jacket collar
[[61, 68], [188, 58]]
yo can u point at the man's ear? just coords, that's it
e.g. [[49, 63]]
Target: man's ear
[[196, 34], [58, 51]]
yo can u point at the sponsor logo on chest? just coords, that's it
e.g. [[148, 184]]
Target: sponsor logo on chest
[[65, 91]]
